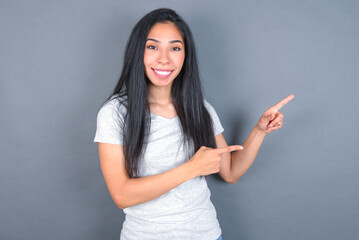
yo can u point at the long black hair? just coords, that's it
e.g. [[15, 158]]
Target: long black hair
[[187, 94]]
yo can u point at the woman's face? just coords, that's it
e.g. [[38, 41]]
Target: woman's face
[[164, 54]]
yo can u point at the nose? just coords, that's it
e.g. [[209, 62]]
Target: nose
[[163, 57]]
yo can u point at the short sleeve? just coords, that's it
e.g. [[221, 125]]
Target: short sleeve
[[109, 123], [217, 126]]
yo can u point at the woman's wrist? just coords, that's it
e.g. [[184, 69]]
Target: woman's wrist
[[259, 131], [190, 170]]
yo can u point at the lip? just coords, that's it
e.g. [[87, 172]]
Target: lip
[[162, 70]]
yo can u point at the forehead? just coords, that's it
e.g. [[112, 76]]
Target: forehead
[[165, 31]]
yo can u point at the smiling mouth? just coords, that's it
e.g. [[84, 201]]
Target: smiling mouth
[[162, 73]]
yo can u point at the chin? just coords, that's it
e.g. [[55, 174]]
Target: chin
[[158, 82], [161, 84]]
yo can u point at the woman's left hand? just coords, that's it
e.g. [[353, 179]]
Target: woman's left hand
[[272, 118]]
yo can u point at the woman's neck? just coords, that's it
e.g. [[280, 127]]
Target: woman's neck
[[160, 102], [159, 95]]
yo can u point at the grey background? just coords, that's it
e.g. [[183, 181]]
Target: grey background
[[59, 60]]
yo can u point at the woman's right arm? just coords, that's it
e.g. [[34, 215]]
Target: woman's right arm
[[126, 191]]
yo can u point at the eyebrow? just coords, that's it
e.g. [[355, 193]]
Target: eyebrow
[[155, 40]]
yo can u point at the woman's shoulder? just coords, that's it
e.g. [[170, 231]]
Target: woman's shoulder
[[208, 105], [110, 121], [217, 126], [210, 109], [115, 104]]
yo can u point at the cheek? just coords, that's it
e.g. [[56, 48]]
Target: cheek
[[146, 71], [148, 58], [146, 62], [180, 61]]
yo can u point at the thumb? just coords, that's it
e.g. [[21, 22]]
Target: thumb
[[204, 148], [269, 116]]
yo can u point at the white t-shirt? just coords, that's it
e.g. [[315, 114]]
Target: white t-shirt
[[186, 211]]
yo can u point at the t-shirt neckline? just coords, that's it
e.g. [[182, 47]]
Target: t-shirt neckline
[[161, 117]]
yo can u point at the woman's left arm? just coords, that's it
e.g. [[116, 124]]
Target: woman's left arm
[[234, 165]]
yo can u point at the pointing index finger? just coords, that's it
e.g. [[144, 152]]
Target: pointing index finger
[[283, 102], [228, 149]]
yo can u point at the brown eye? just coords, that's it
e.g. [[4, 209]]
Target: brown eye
[[176, 49], [151, 47]]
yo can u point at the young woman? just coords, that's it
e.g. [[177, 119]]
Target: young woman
[[158, 137]]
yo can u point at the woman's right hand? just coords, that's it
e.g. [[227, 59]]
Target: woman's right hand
[[207, 160]]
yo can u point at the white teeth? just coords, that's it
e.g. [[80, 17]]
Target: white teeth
[[163, 72]]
